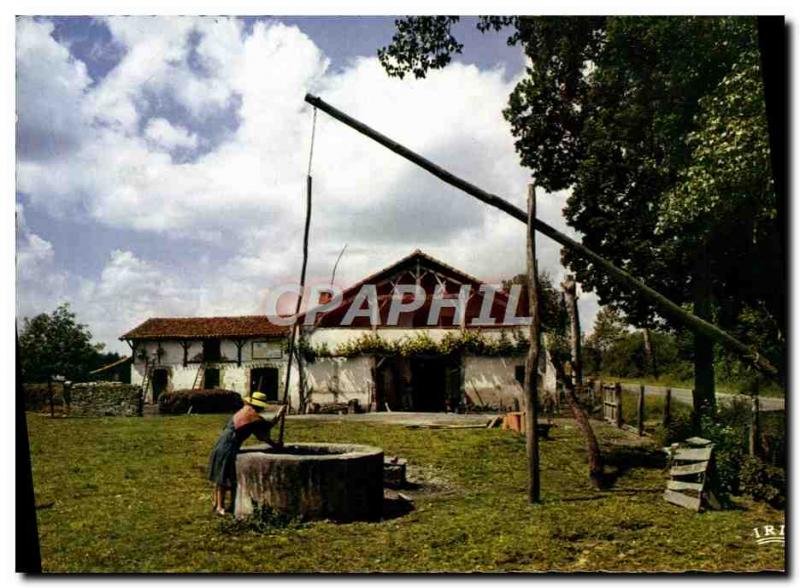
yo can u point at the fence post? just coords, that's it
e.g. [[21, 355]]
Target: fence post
[[640, 410], [667, 401], [618, 401], [754, 426]]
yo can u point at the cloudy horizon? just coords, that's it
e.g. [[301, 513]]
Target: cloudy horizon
[[161, 163]]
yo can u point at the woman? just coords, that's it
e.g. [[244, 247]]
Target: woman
[[247, 421]]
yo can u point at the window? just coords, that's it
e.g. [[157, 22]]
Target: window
[[211, 378], [211, 350]]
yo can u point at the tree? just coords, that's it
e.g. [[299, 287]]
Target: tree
[[550, 308], [725, 200], [609, 328], [606, 109], [56, 344]]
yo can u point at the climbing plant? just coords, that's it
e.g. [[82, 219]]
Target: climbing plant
[[468, 341]]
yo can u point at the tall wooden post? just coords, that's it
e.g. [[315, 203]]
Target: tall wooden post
[[532, 361], [667, 406], [618, 401], [755, 433], [649, 353], [571, 297], [640, 411], [295, 326]]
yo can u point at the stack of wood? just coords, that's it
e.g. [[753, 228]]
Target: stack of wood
[[691, 474], [515, 421]]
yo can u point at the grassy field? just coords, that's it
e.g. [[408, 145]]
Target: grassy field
[[129, 495]]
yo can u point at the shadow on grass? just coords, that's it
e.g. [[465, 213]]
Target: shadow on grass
[[394, 508], [623, 459]]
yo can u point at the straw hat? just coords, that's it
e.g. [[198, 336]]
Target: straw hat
[[257, 399]]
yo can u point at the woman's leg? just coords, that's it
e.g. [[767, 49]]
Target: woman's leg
[[220, 496]]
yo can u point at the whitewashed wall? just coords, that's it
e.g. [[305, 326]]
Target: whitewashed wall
[[340, 379], [232, 376], [492, 380]]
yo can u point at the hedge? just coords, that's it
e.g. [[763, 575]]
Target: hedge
[[200, 401]]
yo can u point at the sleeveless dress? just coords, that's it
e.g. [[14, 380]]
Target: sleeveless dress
[[222, 461]]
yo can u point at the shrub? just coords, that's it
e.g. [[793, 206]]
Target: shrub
[[679, 428], [730, 449], [37, 396], [763, 482], [200, 401]]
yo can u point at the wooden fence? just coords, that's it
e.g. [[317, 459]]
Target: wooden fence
[[604, 400]]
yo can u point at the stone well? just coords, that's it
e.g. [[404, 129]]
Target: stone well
[[333, 481]]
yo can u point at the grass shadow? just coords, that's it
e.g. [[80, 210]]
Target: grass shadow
[[623, 459]]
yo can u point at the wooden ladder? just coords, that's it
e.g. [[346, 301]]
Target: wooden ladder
[[198, 378], [692, 464], [147, 379]]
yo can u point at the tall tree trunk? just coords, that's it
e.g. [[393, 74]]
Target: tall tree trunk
[[593, 456], [571, 297], [703, 396], [649, 355], [532, 361]]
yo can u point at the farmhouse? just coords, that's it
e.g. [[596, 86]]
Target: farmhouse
[[242, 353], [418, 335]]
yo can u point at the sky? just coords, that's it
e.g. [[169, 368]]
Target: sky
[[161, 163]]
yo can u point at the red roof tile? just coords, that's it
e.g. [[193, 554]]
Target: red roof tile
[[205, 327]]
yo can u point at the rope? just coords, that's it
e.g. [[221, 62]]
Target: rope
[[313, 133], [293, 334]]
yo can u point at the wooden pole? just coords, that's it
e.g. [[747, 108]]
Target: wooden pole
[[640, 411], [755, 432], [664, 304], [50, 394], [618, 401], [293, 334], [571, 297], [532, 361], [667, 401]]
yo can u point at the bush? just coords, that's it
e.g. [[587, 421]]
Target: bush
[[37, 396], [763, 482], [200, 401], [730, 449], [679, 428]]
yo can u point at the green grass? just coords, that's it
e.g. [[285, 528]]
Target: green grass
[[130, 495], [653, 409]]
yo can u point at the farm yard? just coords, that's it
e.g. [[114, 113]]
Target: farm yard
[[600, 390], [136, 499]]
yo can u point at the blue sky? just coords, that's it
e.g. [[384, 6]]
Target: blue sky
[[161, 161]]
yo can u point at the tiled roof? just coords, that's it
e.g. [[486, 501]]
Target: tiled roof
[[205, 327]]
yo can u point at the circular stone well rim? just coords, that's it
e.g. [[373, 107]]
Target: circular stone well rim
[[338, 451]]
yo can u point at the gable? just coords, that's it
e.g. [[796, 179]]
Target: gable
[[429, 274]]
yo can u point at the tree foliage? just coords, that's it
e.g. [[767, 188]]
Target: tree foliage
[[551, 308], [656, 126], [609, 328], [56, 344]]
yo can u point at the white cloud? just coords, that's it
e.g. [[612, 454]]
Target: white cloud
[[167, 136], [246, 194], [50, 91]]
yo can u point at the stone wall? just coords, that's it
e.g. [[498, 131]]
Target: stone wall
[[105, 399]]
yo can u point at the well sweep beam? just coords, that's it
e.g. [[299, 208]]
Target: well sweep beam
[[664, 304]]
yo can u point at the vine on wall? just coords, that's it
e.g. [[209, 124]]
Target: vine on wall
[[472, 342]]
